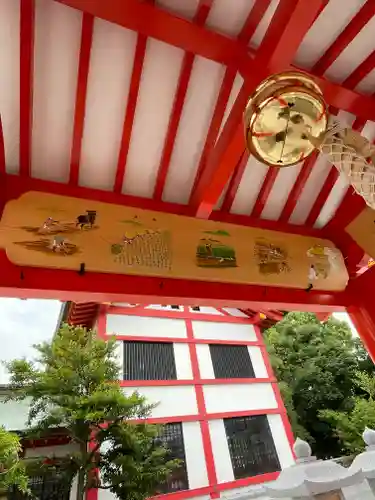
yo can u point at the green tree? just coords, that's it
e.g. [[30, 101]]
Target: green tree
[[73, 384], [12, 469], [316, 364], [349, 426]]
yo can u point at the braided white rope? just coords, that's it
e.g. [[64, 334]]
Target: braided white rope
[[359, 172]]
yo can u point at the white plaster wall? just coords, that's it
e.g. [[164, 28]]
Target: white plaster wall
[[257, 361], [173, 400], [223, 331], [223, 464], [204, 361], [121, 324], [280, 439], [206, 310], [183, 362], [159, 307], [120, 357], [231, 397], [194, 455], [206, 368], [235, 312]]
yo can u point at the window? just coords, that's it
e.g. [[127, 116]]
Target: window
[[251, 446], [196, 308], [172, 437], [52, 486], [231, 361], [149, 361]]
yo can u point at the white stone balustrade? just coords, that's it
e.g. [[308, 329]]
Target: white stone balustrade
[[310, 478], [365, 462]]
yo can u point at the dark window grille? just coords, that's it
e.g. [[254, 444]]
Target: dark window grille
[[175, 307], [231, 361], [54, 486], [196, 308], [172, 438], [149, 361], [251, 446]]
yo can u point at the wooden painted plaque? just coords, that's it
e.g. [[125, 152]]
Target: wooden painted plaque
[[362, 230], [52, 231]]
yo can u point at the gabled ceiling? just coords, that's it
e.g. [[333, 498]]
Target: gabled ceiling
[[145, 98]]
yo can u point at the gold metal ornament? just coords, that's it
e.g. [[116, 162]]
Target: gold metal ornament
[[279, 113]]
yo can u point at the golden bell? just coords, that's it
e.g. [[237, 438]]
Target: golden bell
[[278, 113]]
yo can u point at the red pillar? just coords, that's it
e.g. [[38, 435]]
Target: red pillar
[[362, 311]]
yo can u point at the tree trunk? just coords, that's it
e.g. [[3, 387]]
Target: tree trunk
[[82, 473], [80, 495]]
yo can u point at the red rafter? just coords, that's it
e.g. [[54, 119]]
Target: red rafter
[[2, 149], [222, 161], [358, 22], [264, 192], [288, 27], [255, 16], [179, 99], [291, 21], [214, 127], [234, 183], [298, 187], [157, 23], [132, 98], [79, 113], [27, 17], [348, 34]]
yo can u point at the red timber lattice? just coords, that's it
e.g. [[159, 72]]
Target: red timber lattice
[[202, 416]]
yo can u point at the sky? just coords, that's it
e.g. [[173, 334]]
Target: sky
[[24, 323]]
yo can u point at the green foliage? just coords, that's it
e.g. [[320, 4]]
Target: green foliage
[[316, 363], [350, 425], [12, 469], [73, 384]]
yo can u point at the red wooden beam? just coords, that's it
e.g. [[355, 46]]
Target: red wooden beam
[[132, 98], [179, 100], [264, 192], [359, 21], [80, 106], [27, 18], [223, 160], [234, 183], [298, 187], [2, 150], [31, 282], [152, 21], [291, 21], [213, 130], [254, 18], [288, 27]]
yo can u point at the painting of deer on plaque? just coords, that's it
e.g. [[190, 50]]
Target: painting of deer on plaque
[[53, 233], [214, 252]]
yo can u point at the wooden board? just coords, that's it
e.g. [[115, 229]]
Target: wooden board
[[116, 239], [362, 230]]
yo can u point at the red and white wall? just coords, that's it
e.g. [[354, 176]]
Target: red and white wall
[[196, 398]]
